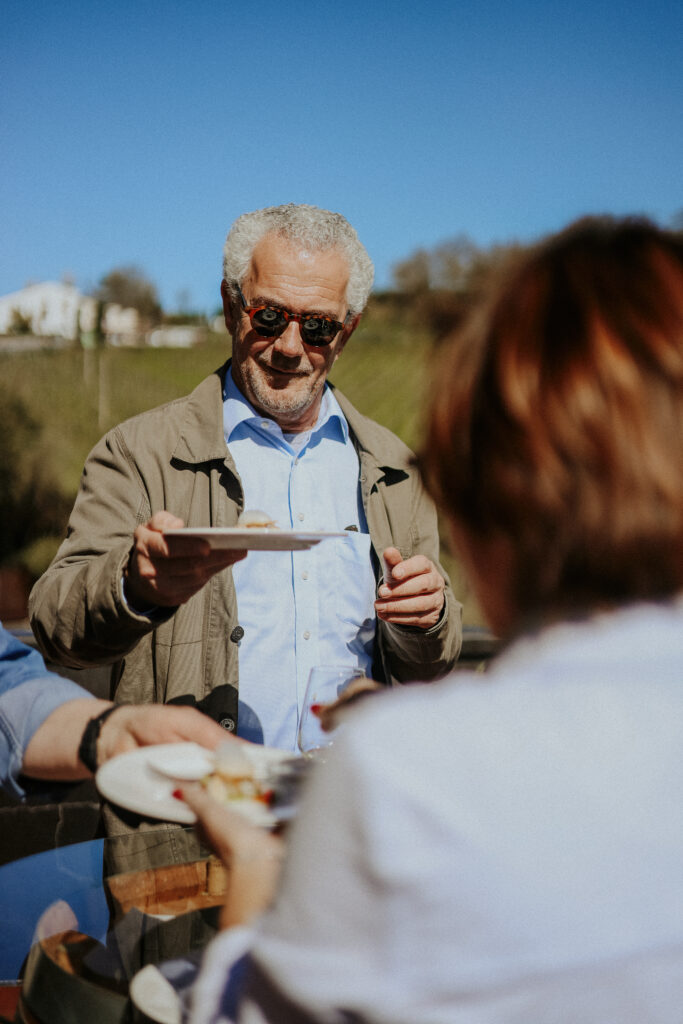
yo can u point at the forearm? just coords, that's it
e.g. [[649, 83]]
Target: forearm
[[25, 706], [420, 651], [77, 610], [252, 877], [251, 855], [52, 752], [54, 749]]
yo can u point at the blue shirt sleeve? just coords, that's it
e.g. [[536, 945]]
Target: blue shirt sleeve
[[28, 694]]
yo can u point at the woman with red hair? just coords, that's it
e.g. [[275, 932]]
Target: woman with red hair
[[508, 847]]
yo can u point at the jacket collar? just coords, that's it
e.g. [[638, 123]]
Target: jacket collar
[[201, 437], [363, 429], [201, 433]]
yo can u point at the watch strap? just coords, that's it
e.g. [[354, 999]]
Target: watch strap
[[87, 749]]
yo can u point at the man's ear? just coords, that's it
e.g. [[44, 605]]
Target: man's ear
[[228, 307], [346, 333]]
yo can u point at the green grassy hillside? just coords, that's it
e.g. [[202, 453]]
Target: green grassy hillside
[[73, 396]]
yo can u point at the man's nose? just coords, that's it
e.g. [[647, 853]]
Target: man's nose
[[289, 342]]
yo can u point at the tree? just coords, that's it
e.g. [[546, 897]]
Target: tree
[[131, 288], [412, 276], [32, 505], [441, 284], [20, 324]]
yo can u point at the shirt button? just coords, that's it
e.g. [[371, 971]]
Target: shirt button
[[304, 575], [307, 634], [237, 634], [228, 723], [300, 516], [265, 424]]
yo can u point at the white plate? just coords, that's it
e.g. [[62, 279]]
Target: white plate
[[143, 780], [239, 538]]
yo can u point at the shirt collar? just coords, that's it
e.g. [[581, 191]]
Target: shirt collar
[[237, 409]]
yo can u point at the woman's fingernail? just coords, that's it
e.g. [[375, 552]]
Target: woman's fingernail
[[178, 794], [316, 708]]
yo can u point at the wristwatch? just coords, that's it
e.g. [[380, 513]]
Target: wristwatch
[[87, 749]]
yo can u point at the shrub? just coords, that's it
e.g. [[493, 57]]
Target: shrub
[[31, 503]]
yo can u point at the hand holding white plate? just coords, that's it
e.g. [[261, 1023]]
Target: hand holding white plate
[[143, 780]]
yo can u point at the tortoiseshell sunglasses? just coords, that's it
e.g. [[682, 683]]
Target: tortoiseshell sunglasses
[[271, 321]]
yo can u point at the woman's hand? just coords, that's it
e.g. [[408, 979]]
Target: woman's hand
[[330, 714], [251, 855]]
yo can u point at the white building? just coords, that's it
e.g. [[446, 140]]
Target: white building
[[55, 309], [120, 326], [175, 336]]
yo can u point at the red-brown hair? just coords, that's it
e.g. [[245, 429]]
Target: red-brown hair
[[557, 422]]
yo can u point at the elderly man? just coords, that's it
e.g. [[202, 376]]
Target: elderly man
[[265, 431]]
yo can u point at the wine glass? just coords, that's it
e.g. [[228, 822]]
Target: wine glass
[[325, 684]]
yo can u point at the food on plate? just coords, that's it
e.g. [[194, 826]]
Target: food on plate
[[254, 518], [235, 777]]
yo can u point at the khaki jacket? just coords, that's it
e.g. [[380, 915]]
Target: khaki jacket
[[175, 458]]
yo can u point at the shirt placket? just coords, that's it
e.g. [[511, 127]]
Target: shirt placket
[[304, 576]]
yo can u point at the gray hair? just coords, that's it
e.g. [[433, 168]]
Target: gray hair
[[308, 226]]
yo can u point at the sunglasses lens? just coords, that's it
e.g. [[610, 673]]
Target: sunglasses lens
[[269, 321], [318, 330]]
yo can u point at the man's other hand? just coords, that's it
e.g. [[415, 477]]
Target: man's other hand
[[167, 572], [413, 591]]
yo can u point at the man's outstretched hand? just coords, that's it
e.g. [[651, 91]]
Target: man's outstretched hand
[[167, 571]]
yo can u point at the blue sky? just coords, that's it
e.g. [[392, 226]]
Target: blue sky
[[135, 132]]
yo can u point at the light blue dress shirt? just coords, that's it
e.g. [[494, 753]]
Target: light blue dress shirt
[[298, 608], [28, 694]]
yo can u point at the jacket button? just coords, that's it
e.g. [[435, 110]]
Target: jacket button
[[228, 723], [237, 634]]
